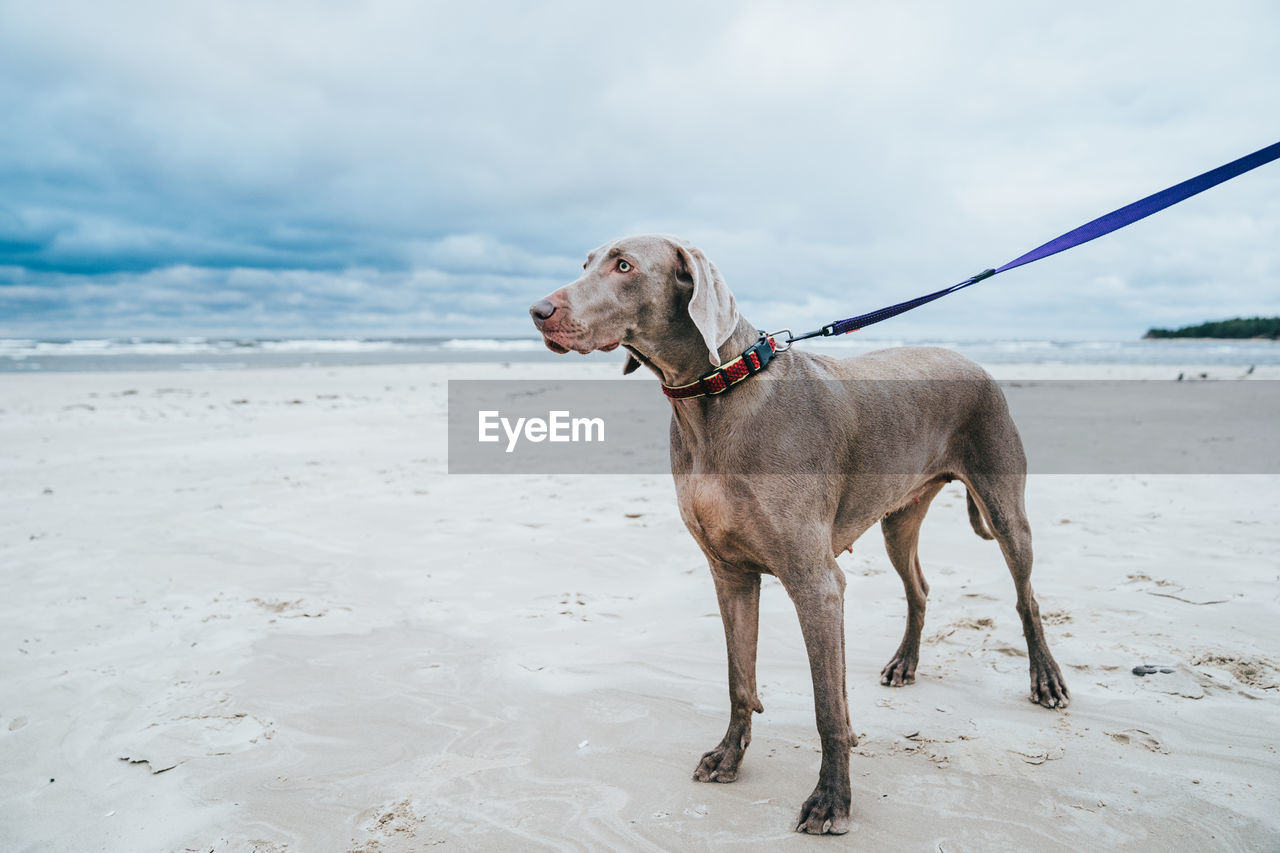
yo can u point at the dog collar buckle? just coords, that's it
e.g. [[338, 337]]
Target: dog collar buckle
[[721, 379]]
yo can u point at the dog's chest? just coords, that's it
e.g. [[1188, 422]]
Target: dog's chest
[[718, 515]]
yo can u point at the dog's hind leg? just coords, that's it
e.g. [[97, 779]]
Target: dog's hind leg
[[901, 536], [1001, 497], [739, 595]]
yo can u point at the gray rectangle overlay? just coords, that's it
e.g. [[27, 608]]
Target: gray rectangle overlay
[[1067, 427]]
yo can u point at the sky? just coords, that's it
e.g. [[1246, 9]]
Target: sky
[[425, 169]]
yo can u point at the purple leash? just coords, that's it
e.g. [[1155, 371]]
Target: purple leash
[[1112, 221]]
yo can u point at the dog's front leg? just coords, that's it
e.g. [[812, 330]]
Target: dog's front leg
[[739, 596], [818, 595]]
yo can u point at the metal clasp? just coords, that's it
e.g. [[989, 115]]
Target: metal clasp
[[778, 346]]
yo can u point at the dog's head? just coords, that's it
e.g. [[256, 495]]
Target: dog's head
[[642, 293]]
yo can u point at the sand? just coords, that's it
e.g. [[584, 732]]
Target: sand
[[249, 610]]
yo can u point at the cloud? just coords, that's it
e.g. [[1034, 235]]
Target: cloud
[[390, 166]]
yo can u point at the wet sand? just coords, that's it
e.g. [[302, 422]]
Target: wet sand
[[249, 610]]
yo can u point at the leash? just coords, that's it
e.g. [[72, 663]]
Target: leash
[[1099, 227], [758, 356]]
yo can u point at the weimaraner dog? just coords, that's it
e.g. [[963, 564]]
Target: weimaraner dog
[[848, 443]]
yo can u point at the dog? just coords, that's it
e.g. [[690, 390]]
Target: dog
[[782, 459]]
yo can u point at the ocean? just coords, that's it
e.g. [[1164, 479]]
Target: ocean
[[215, 353]]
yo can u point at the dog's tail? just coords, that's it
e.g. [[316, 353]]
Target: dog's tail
[[975, 518]]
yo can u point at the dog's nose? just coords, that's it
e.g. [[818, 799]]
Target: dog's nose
[[541, 311]]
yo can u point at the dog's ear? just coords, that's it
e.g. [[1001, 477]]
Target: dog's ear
[[631, 365], [712, 307]]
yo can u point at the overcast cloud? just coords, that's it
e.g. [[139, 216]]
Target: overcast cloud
[[424, 169]]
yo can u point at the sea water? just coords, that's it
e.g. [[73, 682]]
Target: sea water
[[228, 353]]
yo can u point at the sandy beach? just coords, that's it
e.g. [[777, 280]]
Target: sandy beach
[[249, 610]]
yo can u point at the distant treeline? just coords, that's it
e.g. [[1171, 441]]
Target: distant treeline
[[1239, 327]]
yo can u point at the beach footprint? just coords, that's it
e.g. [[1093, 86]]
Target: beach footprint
[[164, 745], [1251, 671], [1139, 737]]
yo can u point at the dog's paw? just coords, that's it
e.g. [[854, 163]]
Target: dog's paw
[[1047, 687], [720, 764], [899, 671], [825, 812]]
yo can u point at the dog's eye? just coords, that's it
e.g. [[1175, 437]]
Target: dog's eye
[[623, 266]]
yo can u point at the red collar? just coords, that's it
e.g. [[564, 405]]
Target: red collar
[[724, 377]]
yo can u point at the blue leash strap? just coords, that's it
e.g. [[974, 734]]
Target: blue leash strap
[[1099, 227]]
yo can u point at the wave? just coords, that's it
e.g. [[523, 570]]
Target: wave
[[21, 348], [492, 345], [88, 353], [329, 345]]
